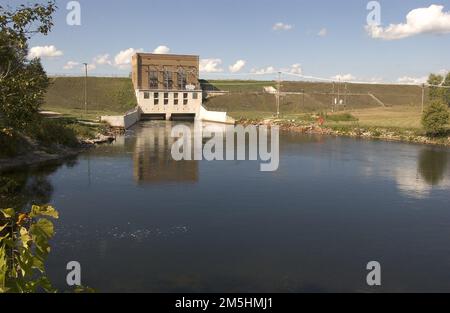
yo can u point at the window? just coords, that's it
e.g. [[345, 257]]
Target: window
[[175, 97], [182, 81], [156, 95], [185, 95], [175, 101], [146, 95], [156, 101], [168, 80], [166, 98], [153, 79], [195, 96], [185, 101]]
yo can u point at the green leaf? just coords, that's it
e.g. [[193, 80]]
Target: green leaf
[[43, 228], [45, 283], [3, 227], [25, 237], [8, 213], [39, 265], [3, 268], [48, 210]]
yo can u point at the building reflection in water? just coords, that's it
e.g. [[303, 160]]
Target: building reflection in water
[[152, 160]]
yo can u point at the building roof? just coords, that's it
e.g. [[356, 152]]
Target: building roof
[[167, 55]]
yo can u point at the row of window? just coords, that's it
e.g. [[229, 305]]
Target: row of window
[[167, 79], [176, 97]]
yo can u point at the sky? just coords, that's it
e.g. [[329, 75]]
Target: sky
[[254, 38]]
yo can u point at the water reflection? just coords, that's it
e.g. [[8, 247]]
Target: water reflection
[[432, 166], [417, 177], [19, 189], [152, 160]]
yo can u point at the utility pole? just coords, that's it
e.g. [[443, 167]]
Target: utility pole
[[339, 94], [332, 99], [85, 88], [278, 94], [345, 99], [423, 97], [303, 96]]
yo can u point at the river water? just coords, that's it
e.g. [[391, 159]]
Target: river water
[[138, 221]]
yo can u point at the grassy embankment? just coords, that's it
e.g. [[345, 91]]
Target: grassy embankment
[[377, 108], [106, 96], [400, 106]]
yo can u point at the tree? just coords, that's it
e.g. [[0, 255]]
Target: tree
[[435, 118], [23, 82], [435, 92], [446, 91]]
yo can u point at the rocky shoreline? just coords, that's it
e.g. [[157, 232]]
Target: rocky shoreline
[[39, 155], [376, 133]]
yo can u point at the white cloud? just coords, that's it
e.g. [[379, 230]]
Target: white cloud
[[344, 77], [210, 65], [323, 32], [70, 65], [294, 69], [376, 80], [431, 20], [102, 59], [407, 80], [264, 71], [282, 26], [236, 67], [123, 59], [91, 67], [162, 50], [44, 52]]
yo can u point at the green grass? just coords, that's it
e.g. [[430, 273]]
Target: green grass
[[247, 96], [105, 96], [236, 85], [111, 96]]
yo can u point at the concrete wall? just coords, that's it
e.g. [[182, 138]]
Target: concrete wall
[[123, 121], [132, 118], [148, 106], [211, 116]]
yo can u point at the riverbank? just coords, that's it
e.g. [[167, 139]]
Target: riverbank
[[33, 152], [353, 131]]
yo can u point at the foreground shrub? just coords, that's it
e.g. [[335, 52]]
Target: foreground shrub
[[435, 119], [50, 131], [343, 117], [24, 247], [10, 143]]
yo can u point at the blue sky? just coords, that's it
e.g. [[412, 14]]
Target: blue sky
[[223, 32]]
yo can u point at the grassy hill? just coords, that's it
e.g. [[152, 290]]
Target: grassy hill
[[373, 105], [387, 105], [106, 95], [248, 96]]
